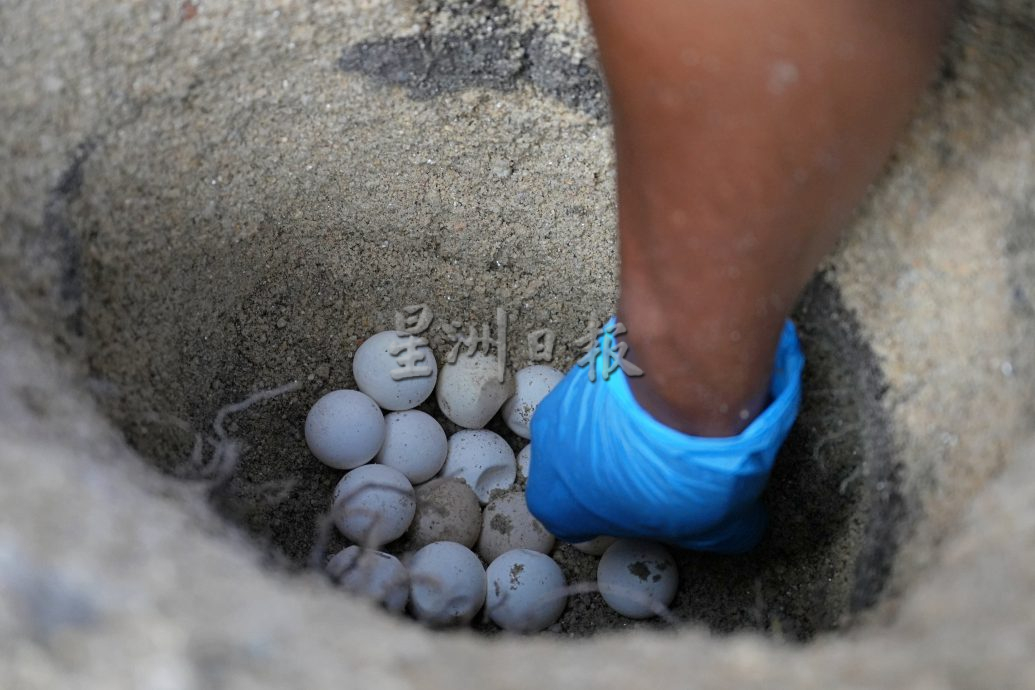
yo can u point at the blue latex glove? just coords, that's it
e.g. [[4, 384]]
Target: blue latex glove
[[602, 465]]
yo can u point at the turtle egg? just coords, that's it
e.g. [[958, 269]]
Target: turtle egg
[[637, 578], [447, 510], [469, 391], [394, 370], [373, 575], [524, 460], [345, 429], [595, 546], [415, 444], [373, 505], [525, 591], [507, 524], [532, 384], [482, 459], [447, 584]]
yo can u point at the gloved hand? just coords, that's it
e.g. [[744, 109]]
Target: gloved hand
[[602, 465]]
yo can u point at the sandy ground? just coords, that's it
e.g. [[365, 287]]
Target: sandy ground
[[202, 278], [202, 202]]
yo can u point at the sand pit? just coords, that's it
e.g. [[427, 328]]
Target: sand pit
[[199, 204]]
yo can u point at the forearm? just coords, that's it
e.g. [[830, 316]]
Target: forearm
[[746, 133]]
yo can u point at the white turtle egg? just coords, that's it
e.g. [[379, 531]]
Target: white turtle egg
[[345, 429], [415, 444], [386, 353], [595, 546], [507, 524], [373, 505], [482, 459], [525, 591], [469, 391], [524, 460], [531, 384], [637, 578], [374, 575], [447, 584]]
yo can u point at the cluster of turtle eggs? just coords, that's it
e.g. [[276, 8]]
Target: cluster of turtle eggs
[[450, 503]]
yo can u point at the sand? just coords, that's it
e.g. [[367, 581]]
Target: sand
[[202, 203]]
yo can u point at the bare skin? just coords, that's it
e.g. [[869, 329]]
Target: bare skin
[[746, 134]]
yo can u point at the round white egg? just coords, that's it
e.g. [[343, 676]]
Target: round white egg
[[375, 361], [374, 575], [469, 391], [345, 429], [415, 444], [531, 384], [525, 591], [524, 460], [373, 505], [637, 578], [447, 584], [507, 524], [595, 546], [482, 459]]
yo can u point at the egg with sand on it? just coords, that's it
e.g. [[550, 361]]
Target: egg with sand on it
[[638, 579], [524, 461], [482, 459], [507, 524], [531, 385], [469, 392], [596, 546], [447, 510], [526, 591]]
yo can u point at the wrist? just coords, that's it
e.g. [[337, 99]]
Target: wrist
[[697, 378]]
